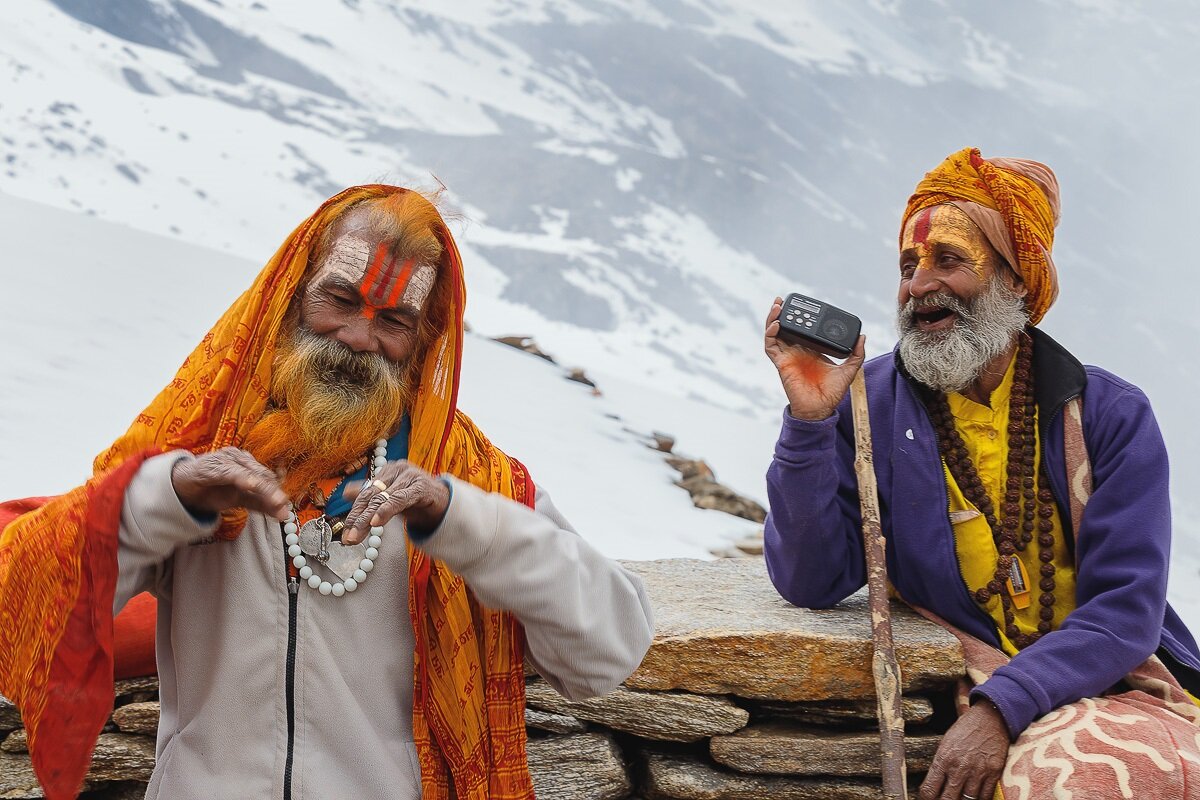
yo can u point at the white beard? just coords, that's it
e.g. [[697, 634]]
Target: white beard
[[950, 361]]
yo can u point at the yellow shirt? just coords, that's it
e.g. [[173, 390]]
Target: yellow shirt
[[984, 430]]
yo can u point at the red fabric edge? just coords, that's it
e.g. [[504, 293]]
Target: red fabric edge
[[11, 509], [80, 684]]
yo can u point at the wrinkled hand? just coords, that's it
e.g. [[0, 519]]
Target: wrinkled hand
[[971, 757], [813, 382], [411, 492], [227, 478]]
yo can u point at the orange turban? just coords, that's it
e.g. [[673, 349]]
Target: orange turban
[[1014, 202]]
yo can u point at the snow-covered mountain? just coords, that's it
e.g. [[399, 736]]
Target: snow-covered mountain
[[81, 361], [638, 178]]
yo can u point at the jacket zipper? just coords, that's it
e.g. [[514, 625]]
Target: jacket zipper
[[289, 690]]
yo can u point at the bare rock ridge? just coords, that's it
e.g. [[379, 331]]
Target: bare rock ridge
[[525, 344], [697, 478], [740, 696]]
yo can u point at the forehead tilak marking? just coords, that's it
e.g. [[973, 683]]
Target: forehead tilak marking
[[347, 257], [923, 224], [385, 280], [949, 225], [382, 279], [420, 286]]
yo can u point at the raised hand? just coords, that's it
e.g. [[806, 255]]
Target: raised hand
[[407, 490], [228, 478], [813, 382]]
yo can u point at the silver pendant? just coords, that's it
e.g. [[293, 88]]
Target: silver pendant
[[316, 540], [315, 536], [343, 560]]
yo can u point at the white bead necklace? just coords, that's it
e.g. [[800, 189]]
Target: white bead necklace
[[327, 550]]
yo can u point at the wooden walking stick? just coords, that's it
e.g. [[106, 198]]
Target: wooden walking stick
[[883, 664]]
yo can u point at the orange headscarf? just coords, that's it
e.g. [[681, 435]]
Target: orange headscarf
[[1015, 204], [58, 557]]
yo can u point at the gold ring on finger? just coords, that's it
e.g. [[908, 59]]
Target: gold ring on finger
[[383, 493], [378, 484]]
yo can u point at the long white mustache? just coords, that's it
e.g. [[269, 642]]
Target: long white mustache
[[950, 361]]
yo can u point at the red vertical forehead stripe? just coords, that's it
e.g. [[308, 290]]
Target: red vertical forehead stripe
[[921, 230], [385, 280]]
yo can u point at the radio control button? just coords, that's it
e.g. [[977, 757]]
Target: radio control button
[[808, 324], [790, 317]]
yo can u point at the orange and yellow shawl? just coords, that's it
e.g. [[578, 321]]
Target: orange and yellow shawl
[[58, 556]]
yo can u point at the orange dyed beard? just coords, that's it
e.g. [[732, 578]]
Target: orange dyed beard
[[332, 404]]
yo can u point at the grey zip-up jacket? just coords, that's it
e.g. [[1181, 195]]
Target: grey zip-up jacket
[[223, 640]]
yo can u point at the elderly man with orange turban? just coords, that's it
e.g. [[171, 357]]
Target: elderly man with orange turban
[[1023, 497], [349, 575]]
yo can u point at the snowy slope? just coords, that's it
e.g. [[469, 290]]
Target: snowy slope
[[639, 177], [100, 317]]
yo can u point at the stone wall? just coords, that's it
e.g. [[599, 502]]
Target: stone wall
[[741, 696]]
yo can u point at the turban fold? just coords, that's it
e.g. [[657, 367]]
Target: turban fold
[[1014, 202], [58, 556]]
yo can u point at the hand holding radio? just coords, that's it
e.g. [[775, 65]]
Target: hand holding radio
[[801, 334]]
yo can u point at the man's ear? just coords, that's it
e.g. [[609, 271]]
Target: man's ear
[[1011, 279]]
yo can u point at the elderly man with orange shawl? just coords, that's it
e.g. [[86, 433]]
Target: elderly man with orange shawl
[[349, 575], [1023, 497]]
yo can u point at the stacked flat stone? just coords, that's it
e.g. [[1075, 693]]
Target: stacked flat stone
[[740, 696], [121, 763], [745, 696]]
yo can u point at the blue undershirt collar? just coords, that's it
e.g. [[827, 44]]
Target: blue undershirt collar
[[397, 450]]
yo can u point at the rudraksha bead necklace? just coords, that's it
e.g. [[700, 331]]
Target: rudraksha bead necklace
[[1023, 507]]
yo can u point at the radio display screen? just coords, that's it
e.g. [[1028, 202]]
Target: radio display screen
[[816, 309]]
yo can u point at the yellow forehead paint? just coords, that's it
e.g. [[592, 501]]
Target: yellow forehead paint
[[946, 226]]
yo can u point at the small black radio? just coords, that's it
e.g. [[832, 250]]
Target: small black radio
[[818, 326]]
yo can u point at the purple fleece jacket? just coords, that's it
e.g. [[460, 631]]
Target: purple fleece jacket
[[814, 548]]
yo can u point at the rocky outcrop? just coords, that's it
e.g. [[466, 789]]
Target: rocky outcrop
[[782, 749], [741, 696], [10, 717], [122, 757], [15, 742], [585, 766], [841, 713], [665, 716], [678, 778], [722, 629], [746, 547], [553, 723], [16, 778], [662, 442], [525, 344], [697, 478], [121, 765], [578, 375], [137, 718]]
